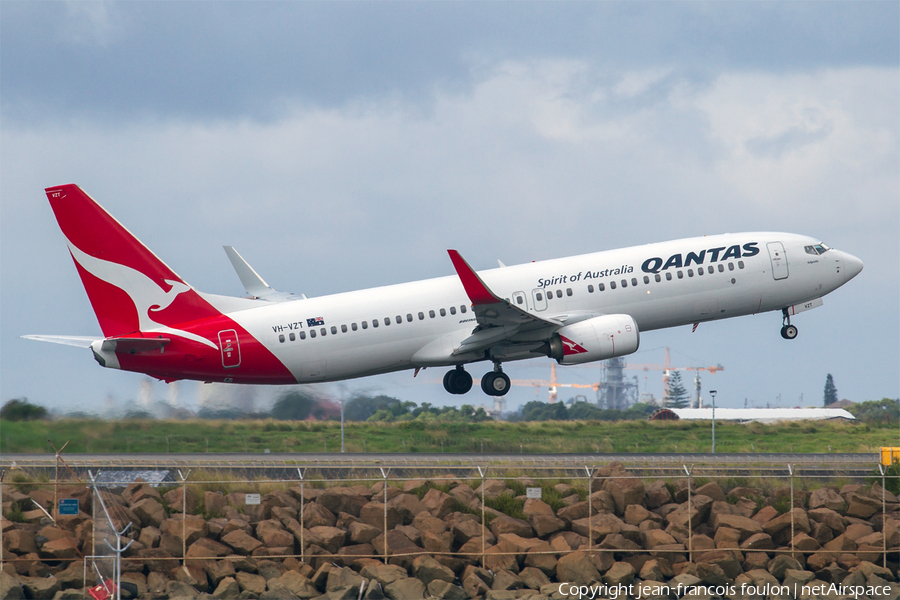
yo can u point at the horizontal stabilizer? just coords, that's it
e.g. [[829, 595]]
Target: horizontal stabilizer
[[254, 284], [78, 341]]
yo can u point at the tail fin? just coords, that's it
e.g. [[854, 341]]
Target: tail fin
[[130, 288]]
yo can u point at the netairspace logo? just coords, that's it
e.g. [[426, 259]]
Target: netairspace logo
[[648, 589]]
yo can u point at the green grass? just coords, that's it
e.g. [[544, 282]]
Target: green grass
[[136, 436]]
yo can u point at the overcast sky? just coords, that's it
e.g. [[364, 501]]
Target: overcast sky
[[347, 145]]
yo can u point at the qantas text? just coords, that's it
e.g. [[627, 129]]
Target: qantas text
[[677, 261]]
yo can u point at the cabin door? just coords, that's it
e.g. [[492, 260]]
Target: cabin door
[[779, 260]]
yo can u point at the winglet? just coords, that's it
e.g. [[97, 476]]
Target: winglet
[[255, 285], [477, 291]]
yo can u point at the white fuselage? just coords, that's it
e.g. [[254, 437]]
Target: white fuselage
[[419, 324]]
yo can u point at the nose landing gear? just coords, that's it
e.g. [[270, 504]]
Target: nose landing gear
[[457, 381], [788, 331]]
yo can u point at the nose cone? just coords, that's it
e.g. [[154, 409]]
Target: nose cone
[[852, 266]]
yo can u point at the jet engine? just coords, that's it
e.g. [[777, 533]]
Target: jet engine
[[597, 338]]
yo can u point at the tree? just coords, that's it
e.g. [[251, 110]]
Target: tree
[[676, 395], [22, 410], [831, 395]]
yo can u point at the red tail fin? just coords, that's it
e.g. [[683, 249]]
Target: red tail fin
[[130, 288]]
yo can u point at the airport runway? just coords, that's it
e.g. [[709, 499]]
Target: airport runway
[[285, 464]]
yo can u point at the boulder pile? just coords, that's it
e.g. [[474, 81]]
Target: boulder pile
[[426, 539]]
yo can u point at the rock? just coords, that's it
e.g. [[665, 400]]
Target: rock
[[862, 506], [577, 568], [545, 524], [20, 541], [207, 548], [542, 558], [475, 586], [745, 526], [408, 506], [826, 498], [783, 523], [329, 538], [759, 541], [373, 513], [59, 549], [765, 514], [315, 515], [507, 580], [190, 528], [805, 543], [241, 543], [712, 490], [295, 583], [39, 587], [405, 589], [438, 503], [384, 574], [780, 564], [446, 591], [700, 507], [465, 530], [227, 588], [150, 511], [505, 524], [533, 578], [343, 500], [176, 505], [621, 573], [657, 494], [428, 569], [796, 578]]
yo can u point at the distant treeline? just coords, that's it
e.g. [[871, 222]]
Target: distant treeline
[[301, 405]]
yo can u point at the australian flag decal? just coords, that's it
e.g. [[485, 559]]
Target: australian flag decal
[[315, 321]]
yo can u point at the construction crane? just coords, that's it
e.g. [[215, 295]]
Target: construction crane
[[614, 390]]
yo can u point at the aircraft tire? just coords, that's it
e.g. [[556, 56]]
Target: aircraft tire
[[457, 381], [789, 332], [495, 384]]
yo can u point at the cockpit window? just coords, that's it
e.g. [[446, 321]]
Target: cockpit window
[[816, 249]]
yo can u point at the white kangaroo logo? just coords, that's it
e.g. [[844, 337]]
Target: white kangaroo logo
[[147, 295]]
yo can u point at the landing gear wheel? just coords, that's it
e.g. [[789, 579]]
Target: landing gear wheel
[[457, 381], [789, 332], [495, 383]]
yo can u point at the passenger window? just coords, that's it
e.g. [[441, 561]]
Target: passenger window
[[292, 337], [680, 275], [343, 329], [710, 269], [657, 278], [302, 335], [740, 264], [409, 317], [365, 324], [281, 338], [334, 330], [519, 300], [431, 313], [568, 291], [624, 283], [374, 323], [452, 310], [559, 293], [387, 321], [647, 278], [721, 268], [731, 266], [421, 316], [600, 287], [399, 319], [462, 308], [690, 272], [590, 289], [634, 281], [324, 332], [312, 333], [699, 270], [612, 285], [538, 297], [668, 277], [443, 312], [353, 326]]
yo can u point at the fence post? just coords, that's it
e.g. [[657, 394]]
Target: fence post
[[791, 472], [483, 524], [183, 514], [384, 474], [300, 473], [690, 526], [590, 475], [883, 515]]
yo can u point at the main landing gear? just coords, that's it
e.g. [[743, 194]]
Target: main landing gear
[[494, 383], [788, 331]]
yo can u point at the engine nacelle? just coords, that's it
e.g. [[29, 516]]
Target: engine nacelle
[[598, 338]]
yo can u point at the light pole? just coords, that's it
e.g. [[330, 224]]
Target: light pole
[[713, 394]]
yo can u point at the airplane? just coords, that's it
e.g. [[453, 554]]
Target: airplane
[[574, 310]]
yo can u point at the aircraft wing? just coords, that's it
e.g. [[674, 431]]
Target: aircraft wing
[[255, 285], [498, 320]]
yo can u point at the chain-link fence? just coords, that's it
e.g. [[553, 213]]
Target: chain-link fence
[[541, 524]]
